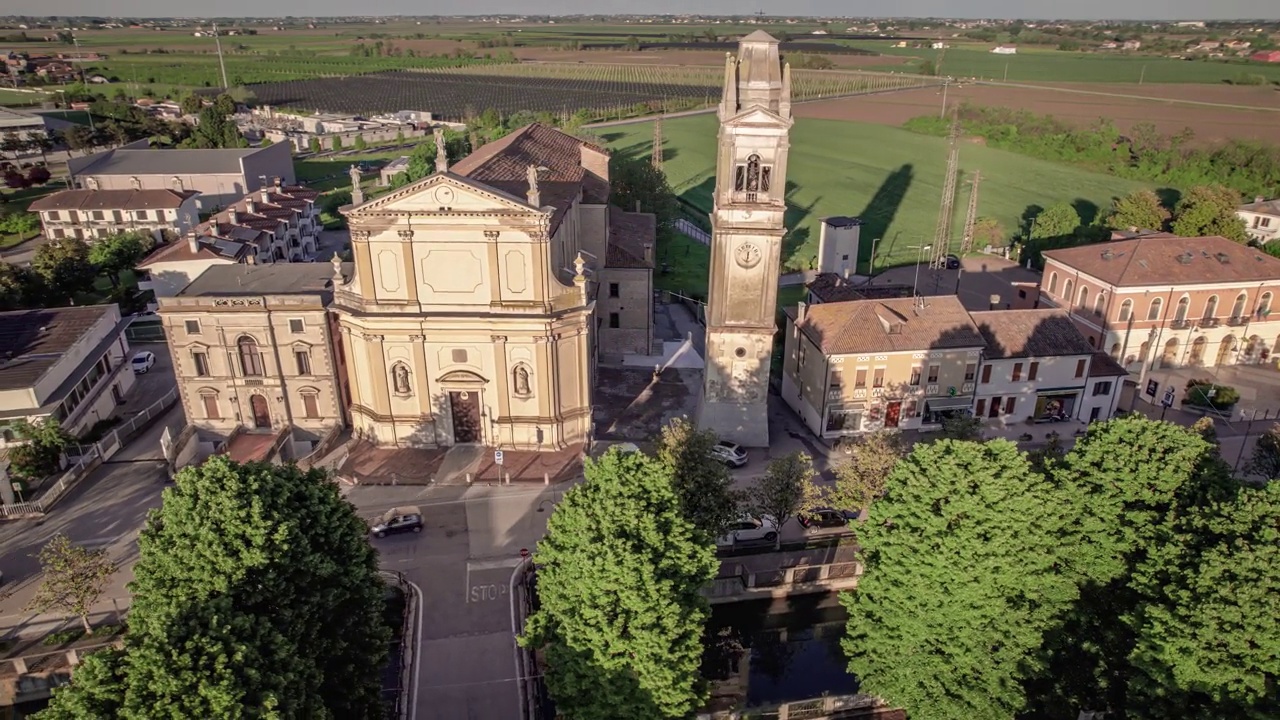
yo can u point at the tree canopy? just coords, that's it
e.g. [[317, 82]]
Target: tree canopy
[[701, 482], [1209, 210], [256, 595], [1057, 220], [620, 616], [1140, 209], [114, 254], [636, 182], [64, 266]]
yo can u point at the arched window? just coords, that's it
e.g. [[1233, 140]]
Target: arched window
[[250, 358], [1099, 303], [1126, 310], [1153, 312], [1067, 293], [1053, 283], [1084, 298], [1237, 310], [1184, 304], [1210, 308], [1264, 305]]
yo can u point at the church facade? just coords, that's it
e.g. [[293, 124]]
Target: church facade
[[472, 314]]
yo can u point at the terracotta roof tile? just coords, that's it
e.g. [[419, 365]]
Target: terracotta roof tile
[[889, 325], [1103, 365], [1159, 260], [1030, 333], [112, 200], [628, 234]]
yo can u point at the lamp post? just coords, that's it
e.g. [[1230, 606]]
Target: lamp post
[[915, 285], [871, 269]]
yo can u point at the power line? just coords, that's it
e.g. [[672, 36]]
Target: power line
[[946, 209]]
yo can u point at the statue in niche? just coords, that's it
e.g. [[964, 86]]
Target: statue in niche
[[521, 377], [400, 377]]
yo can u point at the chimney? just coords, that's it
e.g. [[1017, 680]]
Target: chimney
[[534, 196], [648, 253], [800, 308], [233, 216], [846, 272], [993, 302], [193, 242], [278, 182], [266, 195], [250, 206]]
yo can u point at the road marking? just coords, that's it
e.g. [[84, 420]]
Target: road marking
[[484, 592], [494, 564]]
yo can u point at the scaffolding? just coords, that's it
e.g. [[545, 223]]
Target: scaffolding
[[971, 219], [946, 210]]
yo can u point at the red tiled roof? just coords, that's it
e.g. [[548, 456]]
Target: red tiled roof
[[1030, 333], [1103, 365], [1162, 261], [890, 325], [628, 234], [112, 200]]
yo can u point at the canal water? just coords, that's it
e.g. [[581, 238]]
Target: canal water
[[766, 652]]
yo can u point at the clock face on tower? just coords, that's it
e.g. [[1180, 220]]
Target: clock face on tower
[[747, 255]]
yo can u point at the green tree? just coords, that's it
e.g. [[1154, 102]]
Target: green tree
[[314, 145], [19, 287], [1057, 220], [336, 143], [225, 104], [215, 128], [962, 579], [41, 453], [1265, 460], [928, 68], [1208, 644], [99, 686], [192, 104], [702, 483], [861, 478], [621, 616], [961, 427], [120, 252], [257, 595], [360, 144], [786, 488], [19, 223], [635, 181], [64, 266], [73, 578], [399, 137], [1140, 209], [1209, 210]]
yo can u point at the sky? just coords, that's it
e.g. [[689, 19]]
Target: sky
[[1029, 9]]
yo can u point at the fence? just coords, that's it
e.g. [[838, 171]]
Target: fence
[[812, 709], [89, 457], [408, 649]]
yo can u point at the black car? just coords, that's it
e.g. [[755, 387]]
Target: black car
[[953, 262], [398, 520], [827, 517]]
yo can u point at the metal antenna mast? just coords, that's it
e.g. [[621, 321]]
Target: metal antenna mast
[[966, 243], [656, 159], [946, 211], [217, 39]]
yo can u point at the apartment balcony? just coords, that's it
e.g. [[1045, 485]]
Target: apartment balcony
[[1238, 320], [1209, 322], [1181, 325]]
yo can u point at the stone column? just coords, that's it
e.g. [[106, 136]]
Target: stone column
[[410, 272], [495, 270]]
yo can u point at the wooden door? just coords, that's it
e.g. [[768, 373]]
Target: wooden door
[[892, 414], [261, 413], [465, 408]]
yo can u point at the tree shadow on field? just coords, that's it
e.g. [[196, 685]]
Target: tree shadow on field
[[610, 137], [1169, 197], [883, 207], [796, 237], [1086, 209], [1029, 219]]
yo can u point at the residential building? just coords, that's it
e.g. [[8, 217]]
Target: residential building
[[1267, 56], [23, 124], [392, 169], [289, 212], [1157, 303], [1261, 219], [909, 363], [1131, 45], [1036, 367], [256, 353], [170, 268], [472, 313], [221, 176], [70, 364], [1005, 50], [95, 214], [1101, 399]]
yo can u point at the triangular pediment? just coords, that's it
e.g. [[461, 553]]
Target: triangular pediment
[[443, 192], [758, 115]]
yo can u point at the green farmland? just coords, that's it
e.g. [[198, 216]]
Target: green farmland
[[889, 177]]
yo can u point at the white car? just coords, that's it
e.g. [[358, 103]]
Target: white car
[[730, 454], [142, 362], [749, 529]]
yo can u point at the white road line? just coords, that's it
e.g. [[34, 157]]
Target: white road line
[[493, 564]]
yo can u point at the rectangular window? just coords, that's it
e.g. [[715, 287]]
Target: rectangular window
[[211, 407], [970, 372], [1017, 372], [71, 215], [98, 215], [1102, 388], [614, 290], [802, 353], [310, 405], [192, 326], [986, 374], [860, 378], [142, 214], [53, 214], [303, 360], [1033, 371], [1008, 405], [877, 378], [116, 216], [915, 377], [615, 320], [1080, 365], [59, 234], [837, 379], [201, 362], [933, 373], [296, 325]]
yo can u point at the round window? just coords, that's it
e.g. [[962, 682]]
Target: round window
[[740, 352]]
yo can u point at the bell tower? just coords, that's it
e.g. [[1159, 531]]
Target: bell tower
[[746, 241]]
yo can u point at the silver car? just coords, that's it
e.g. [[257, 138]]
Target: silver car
[[730, 454], [749, 528]]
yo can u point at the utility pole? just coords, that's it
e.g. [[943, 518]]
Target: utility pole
[[656, 159], [946, 209], [217, 39], [1142, 75], [942, 112], [971, 219]]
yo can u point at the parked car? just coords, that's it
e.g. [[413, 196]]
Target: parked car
[[730, 454], [953, 262], [142, 362], [398, 520], [749, 529], [826, 517]]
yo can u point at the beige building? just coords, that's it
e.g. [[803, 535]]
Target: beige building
[[1261, 219], [856, 366], [221, 176], [255, 351], [473, 312], [170, 268], [70, 364], [95, 214]]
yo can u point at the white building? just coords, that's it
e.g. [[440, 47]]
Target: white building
[[1005, 50], [1035, 368], [71, 364], [1261, 219], [93, 214], [172, 267]]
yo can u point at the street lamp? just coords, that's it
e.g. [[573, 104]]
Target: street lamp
[[871, 270], [915, 285]]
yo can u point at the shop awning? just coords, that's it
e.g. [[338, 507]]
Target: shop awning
[[952, 403]]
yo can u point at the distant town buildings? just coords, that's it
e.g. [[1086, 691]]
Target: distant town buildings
[[23, 124], [1005, 50], [1261, 219]]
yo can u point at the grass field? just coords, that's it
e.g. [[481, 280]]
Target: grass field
[[889, 177], [17, 98]]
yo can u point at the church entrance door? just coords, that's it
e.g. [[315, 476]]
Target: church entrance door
[[465, 408]]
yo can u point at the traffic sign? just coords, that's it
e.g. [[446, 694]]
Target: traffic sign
[[497, 457]]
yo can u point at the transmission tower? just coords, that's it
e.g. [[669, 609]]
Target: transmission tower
[[657, 143], [966, 243], [946, 211]]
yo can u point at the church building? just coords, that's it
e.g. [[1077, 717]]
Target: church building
[[483, 295]]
